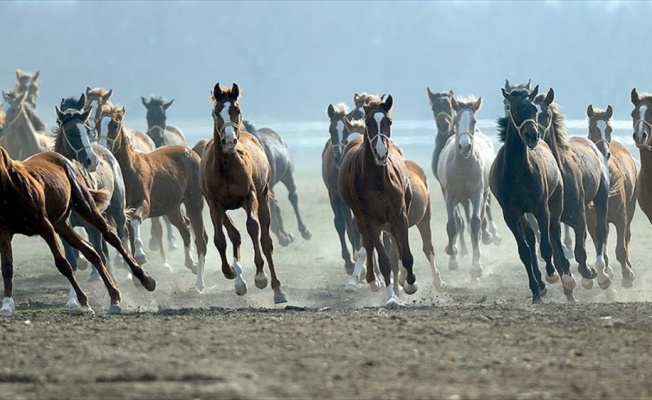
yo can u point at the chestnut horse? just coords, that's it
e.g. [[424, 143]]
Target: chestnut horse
[[235, 173], [586, 181], [39, 195], [622, 193], [642, 123], [19, 136], [526, 163], [381, 191], [157, 184], [280, 160]]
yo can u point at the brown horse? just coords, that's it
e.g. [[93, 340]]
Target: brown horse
[[586, 181], [526, 163], [27, 83], [157, 183], [235, 173], [157, 128], [379, 188], [19, 136], [200, 147], [622, 193], [40, 194], [642, 121]]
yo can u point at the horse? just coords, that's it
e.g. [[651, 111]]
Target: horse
[[622, 193], [200, 147], [19, 136], [235, 173], [383, 193], [28, 83], [72, 141], [527, 163], [157, 128], [280, 159], [43, 191], [157, 183], [463, 171], [586, 180]]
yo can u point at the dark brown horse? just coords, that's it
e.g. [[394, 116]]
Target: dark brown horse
[[40, 193], [622, 193], [280, 159], [586, 181], [376, 183], [235, 173], [642, 122], [157, 128], [526, 163], [157, 184]]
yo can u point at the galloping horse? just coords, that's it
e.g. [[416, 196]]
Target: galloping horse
[[384, 193], [280, 160], [28, 83], [43, 190], [18, 136], [463, 172], [642, 121], [586, 180], [157, 183], [235, 173], [73, 142], [622, 193], [525, 163]]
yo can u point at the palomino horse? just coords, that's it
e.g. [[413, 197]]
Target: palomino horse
[[586, 180], [282, 164], [526, 163], [463, 172], [73, 142], [622, 193], [18, 136], [157, 183], [43, 190], [235, 173], [157, 128], [28, 83], [378, 186]]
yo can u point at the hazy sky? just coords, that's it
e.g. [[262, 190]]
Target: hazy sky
[[293, 58]]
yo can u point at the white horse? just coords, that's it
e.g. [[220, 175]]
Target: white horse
[[463, 171]]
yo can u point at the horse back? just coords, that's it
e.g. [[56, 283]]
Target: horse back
[[174, 136], [329, 171], [590, 167], [141, 142], [420, 196], [277, 152]]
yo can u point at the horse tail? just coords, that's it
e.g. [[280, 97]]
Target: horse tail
[[89, 200]]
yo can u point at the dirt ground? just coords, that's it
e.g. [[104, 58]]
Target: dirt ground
[[470, 342]]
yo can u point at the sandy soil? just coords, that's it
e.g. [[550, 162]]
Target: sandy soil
[[471, 342]]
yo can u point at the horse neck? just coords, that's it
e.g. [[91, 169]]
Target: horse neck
[[551, 141], [516, 152], [124, 154], [646, 161], [26, 136]]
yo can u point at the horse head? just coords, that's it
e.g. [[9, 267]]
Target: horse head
[[522, 114], [464, 124], [379, 127], [519, 86], [96, 98], [442, 110], [227, 116], [27, 83], [642, 119], [73, 103], [600, 128], [13, 107], [338, 130], [109, 128], [156, 118], [72, 137]]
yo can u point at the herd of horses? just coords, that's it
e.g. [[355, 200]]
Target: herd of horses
[[93, 172]]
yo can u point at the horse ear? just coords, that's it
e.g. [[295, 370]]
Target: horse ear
[[82, 101], [477, 104], [5, 95], [59, 114], [121, 113], [508, 87], [330, 111], [610, 112], [36, 75], [86, 114], [550, 96], [389, 102], [529, 85], [217, 90], [235, 91], [168, 104], [635, 97], [88, 89], [382, 98], [356, 98], [534, 93], [589, 111], [107, 96], [431, 95], [506, 94], [19, 73], [455, 104], [450, 93]]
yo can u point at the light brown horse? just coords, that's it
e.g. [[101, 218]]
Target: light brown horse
[[40, 194], [382, 191], [18, 136], [157, 183], [200, 147], [622, 193], [27, 83], [235, 173]]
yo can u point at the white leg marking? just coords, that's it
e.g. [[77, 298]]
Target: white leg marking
[[199, 283], [392, 299], [139, 253], [240, 283], [358, 271], [437, 282], [72, 298], [8, 306]]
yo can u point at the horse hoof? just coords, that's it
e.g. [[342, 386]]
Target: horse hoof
[[349, 267], [497, 239], [283, 241], [453, 265], [167, 266], [487, 238], [628, 282], [261, 280], [192, 267], [410, 289], [115, 309], [351, 287], [451, 250], [141, 258], [552, 279], [402, 276], [8, 306], [72, 303], [536, 299], [82, 263], [476, 272], [199, 285], [148, 283], [306, 234], [87, 311], [543, 292], [391, 303], [241, 288], [605, 283], [587, 283], [443, 286], [568, 282], [153, 244], [279, 297], [374, 286]]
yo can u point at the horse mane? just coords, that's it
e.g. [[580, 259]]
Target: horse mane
[[373, 102], [68, 103], [2, 118], [467, 101], [439, 94], [156, 100], [249, 127], [502, 129], [340, 110], [558, 123], [98, 91]]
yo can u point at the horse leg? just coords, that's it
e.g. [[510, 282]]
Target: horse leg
[[284, 238], [601, 206], [373, 241], [71, 255], [542, 222], [389, 243], [137, 241], [177, 219], [478, 204], [288, 181], [236, 241], [194, 203], [172, 241], [407, 259], [531, 240], [339, 220], [266, 243], [156, 230], [525, 253], [622, 250], [219, 240], [157, 234], [461, 226], [578, 223], [534, 225], [568, 242], [426, 238], [452, 229], [7, 258], [360, 253], [493, 229], [66, 231]]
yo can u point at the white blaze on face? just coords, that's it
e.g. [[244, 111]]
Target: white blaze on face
[[104, 131], [602, 127], [86, 143], [339, 127], [640, 124], [381, 149], [229, 132], [94, 106]]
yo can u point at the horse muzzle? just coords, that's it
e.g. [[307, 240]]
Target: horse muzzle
[[229, 146]]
